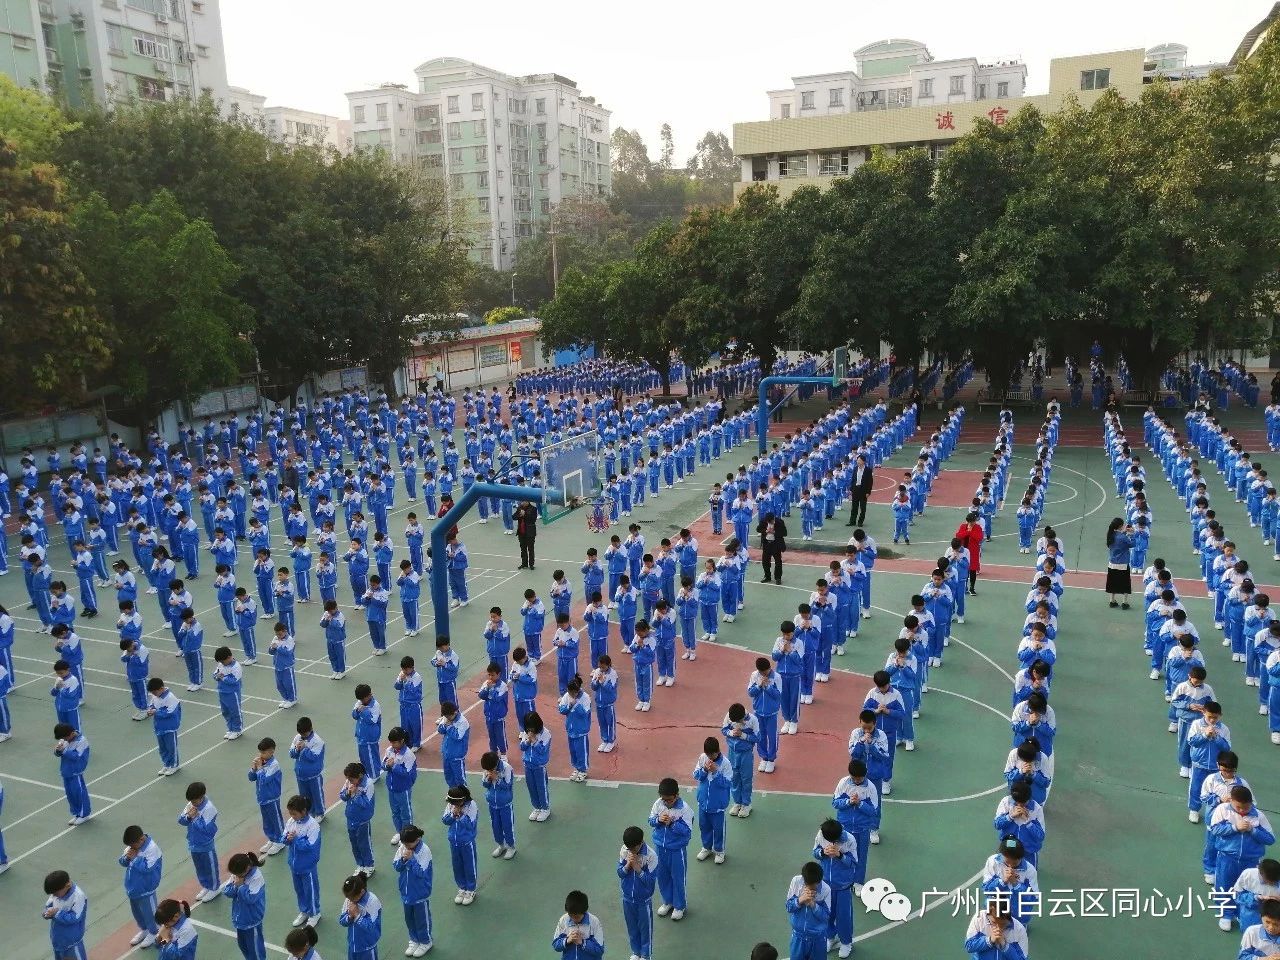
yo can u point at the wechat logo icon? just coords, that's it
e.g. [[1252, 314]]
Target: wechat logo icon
[[882, 897]]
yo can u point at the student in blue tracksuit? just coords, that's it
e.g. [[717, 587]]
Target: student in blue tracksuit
[[67, 693], [497, 702], [357, 796], [995, 934], [1241, 834], [446, 663], [200, 817], [401, 764], [246, 889], [307, 753], [1207, 737], [362, 916], [578, 934], [176, 935], [368, 730], [461, 816], [246, 614], [284, 656], [604, 684], [709, 589], [575, 707], [143, 865], [643, 652], [1019, 816], [302, 837], [408, 685], [788, 654], [72, 751], [714, 776], [266, 776], [415, 875], [765, 690], [67, 910], [870, 744], [498, 780], [741, 732], [836, 850], [165, 711], [857, 804], [410, 584], [334, 623], [523, 680], [455, 739], [672, 822], [535, 751], [638, 877], [809, 907], [229, 678]]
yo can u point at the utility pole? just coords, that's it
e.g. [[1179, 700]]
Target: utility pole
[[513, 287]]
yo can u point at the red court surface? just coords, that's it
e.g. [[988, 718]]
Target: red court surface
[[666, 741], [951, 488]]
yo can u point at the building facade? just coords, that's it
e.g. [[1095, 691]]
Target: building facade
[[509, 149], [289, 124], [898, 97], [108, 50]]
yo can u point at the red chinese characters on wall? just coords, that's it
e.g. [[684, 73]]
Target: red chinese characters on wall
[[946, 121], [998, 115]]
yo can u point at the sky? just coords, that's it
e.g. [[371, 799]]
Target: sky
[[698, 65]]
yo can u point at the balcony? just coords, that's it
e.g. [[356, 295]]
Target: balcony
[[46, 11]]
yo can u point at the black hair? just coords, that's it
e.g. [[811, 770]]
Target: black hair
[[576, 903]]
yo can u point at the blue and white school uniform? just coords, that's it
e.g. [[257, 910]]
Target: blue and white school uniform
[[455, 739], [201, 831], [402, 773], [415, 875], [248, 909], [267, 788], [536, 754], [182, 943], [840, 873], [141, 880], [308, 756], [604, 684], [714, 787], [637, 897], [303, 840], [364, 932], [358, 809], [671, 840], [590, 932], [462, 844], [577, 727], [67, 925], [498, 793]]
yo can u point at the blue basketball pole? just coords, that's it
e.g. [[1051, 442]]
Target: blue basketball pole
[[439, 532], [762, 417]]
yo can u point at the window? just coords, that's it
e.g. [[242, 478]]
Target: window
[[982, 91], [835, 97], [482, 180], [926, 87], [833, 164], [382, 111], [793, 165], [957, 84], [542, 154], [455, 156], [483, 203], [115, 41], [419, 114], [455, 181], [522, 205], [477, 101], [524, 230], [482, 154], [540, 106], [1095, 79], [149, 89], [1002, 89], [357, 114], [148, 46], [202, 50], [936, 150], [541, 130], [786, 111], [478, 128], [433, 160], [520, 180], [455, 130], [544, 205], [428, 136], [806, 100], [453, 104], [542, 181]]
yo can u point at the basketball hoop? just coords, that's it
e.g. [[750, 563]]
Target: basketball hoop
[[598, 513]]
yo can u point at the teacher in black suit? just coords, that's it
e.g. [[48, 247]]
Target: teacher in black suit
[[773, 543], [526, 519], [859, 491]]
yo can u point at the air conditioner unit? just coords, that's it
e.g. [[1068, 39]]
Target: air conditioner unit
[[86, 73], [161, 67], [191, 58], [77, 20], [161, 18]]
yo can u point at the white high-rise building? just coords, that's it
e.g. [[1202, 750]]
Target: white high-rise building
[[289, 124], [510, 148]]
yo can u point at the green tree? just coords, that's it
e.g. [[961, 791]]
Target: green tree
[[51, 335], [503, 315], [667, 156], [163, 282], [484, 288], [32, 124], [630, 156], [714, 170]]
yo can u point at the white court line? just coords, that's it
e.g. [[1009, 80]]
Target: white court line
[[106, 686], [51, 786]]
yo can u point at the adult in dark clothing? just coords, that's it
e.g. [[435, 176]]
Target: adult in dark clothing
[[446, 504], [859, 490], [1275, 388], [773, 543], [526, 518]]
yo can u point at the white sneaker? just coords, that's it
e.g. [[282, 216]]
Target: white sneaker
[[458, 897], [408, 951], [839, 651], [769, 766], [959, 619], [887, 789], [543, 815], [1250, 681], [498, 851], [1154, 675], [192, 687], [728, 618], [693, 654], [875, 837], [1224, 925], [299, 920], [704, 853], [137, 938], [533, 816], [148, 940], [910, 745], [211, 895], [846, 949], [760, 766], [744, 811], [915, 714], [423, 949], [677, 914], [646, 706], [664, 909], [395, 840], [720, 857], [274, 848], [1193, 816], [510, 854], [1262, 710], [639, 704], [1184, 773], [1275, 738], [608, 747], [733, 810], [229, 633], [1208, 878], [685, 655], [265, 847], [601, 749]]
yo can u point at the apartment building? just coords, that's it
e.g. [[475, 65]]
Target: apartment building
[[289, 124], [897, 96], [22, 41], [509, 148]]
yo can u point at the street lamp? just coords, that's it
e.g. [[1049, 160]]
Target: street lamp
[[513, 287]]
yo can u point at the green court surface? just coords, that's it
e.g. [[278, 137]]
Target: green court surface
[[1117, 827]]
